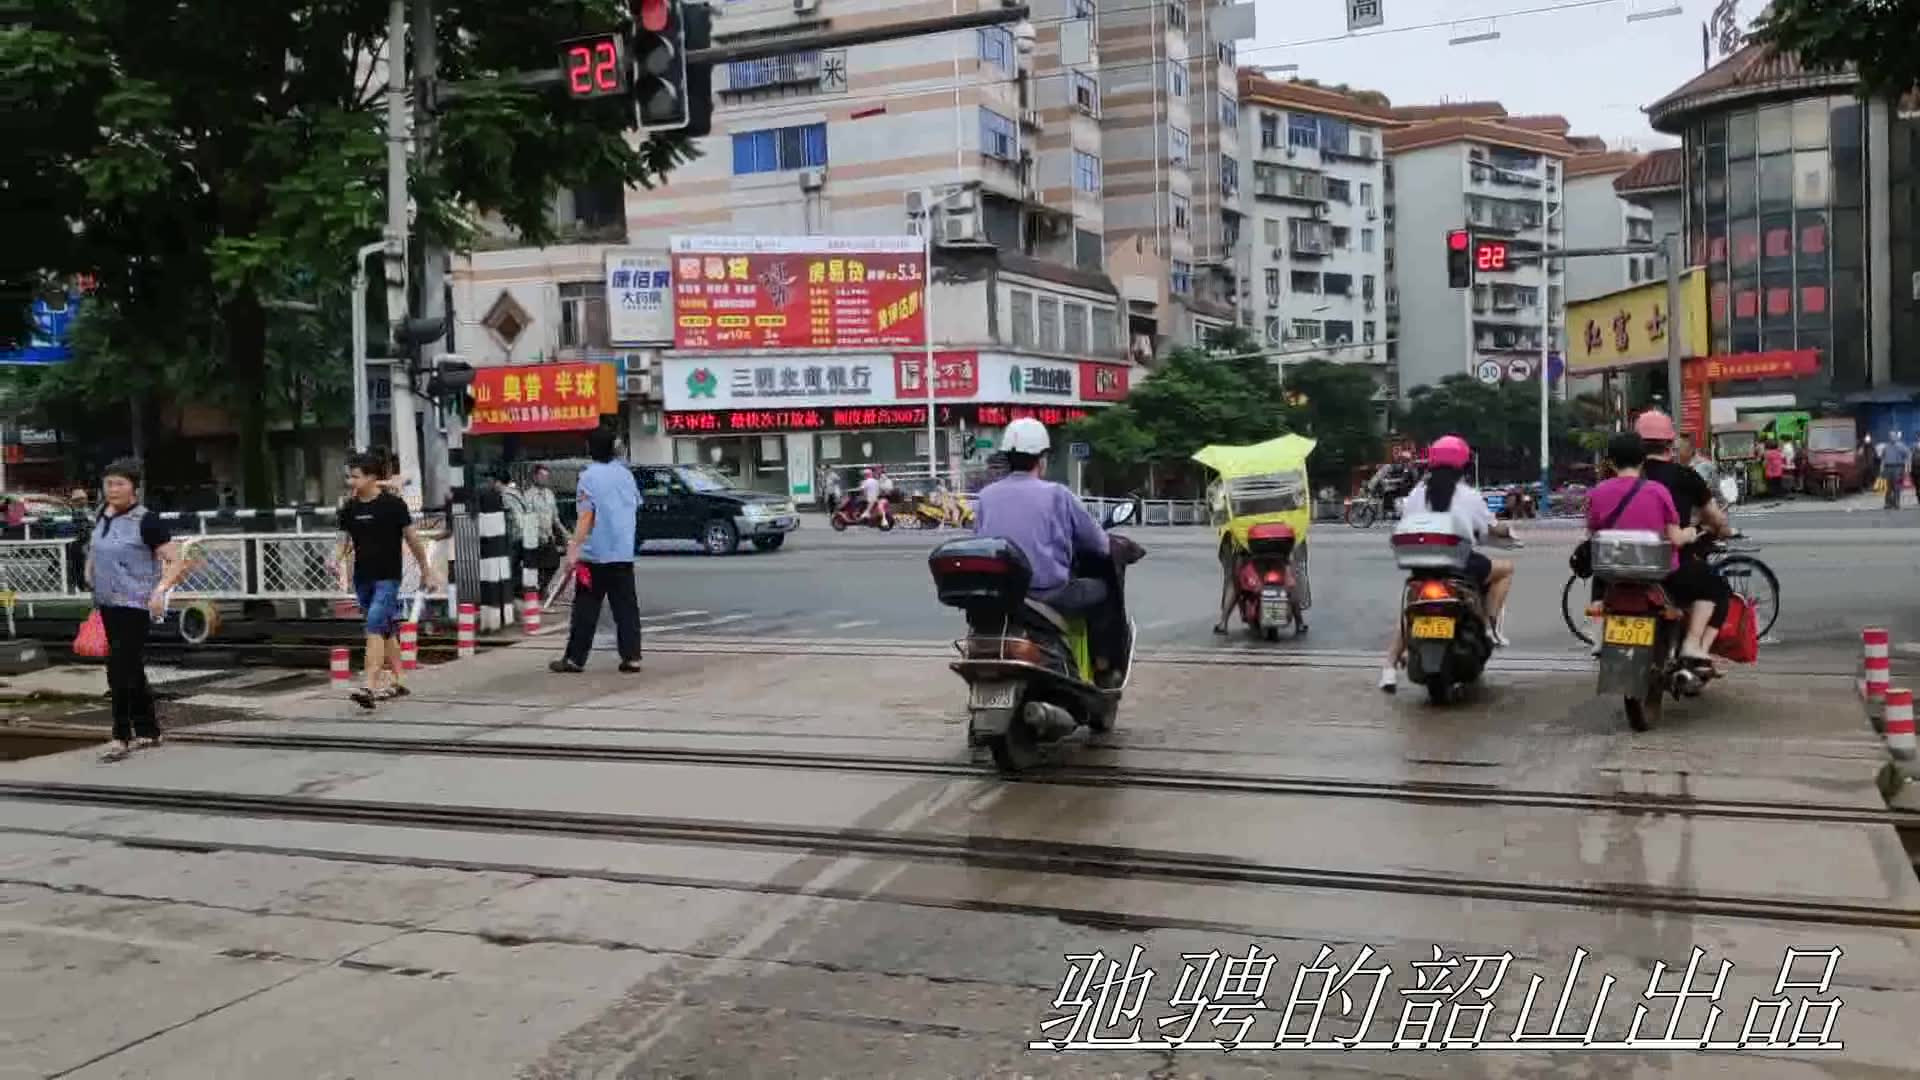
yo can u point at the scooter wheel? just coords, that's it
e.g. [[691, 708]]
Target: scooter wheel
[[1439, 690], [1273, 633], [1014, 750], [839, 523], [886, 524], [1641, 714]]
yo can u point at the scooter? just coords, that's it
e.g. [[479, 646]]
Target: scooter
[[1640, 636], [1030, 672], [850, 513], [1443, 613], [1270, 595]]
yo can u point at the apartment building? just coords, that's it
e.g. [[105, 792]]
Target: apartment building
[[1170, 134], [1598, 217], [1454, 166], [1316, 237], [992, 146]]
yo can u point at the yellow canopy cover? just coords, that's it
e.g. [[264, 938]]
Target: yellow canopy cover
[[1252, 478]]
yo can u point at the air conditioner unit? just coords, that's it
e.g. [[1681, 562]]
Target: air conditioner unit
[[960, 228], [805, 7], [1030, 118], [1273, 301], [812, 179], [1372, 215], [640, 385], [1279, 254], [1291, 153], [1320, 211]]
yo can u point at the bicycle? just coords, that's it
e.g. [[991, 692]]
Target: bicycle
[[1752, 580], [1363, 511]]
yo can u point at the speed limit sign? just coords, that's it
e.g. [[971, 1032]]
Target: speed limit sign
[[1489, 371]]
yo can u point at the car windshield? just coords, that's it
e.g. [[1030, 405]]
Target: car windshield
[[701, 478], [1829, 438]]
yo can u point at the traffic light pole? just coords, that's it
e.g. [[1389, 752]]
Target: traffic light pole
[[406, 445], [441, 483]]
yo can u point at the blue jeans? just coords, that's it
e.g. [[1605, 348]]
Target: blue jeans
[[380, 603]]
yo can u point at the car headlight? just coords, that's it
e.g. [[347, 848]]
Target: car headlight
[[754, 510]]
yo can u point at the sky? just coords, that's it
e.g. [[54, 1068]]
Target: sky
[[1588, 64]]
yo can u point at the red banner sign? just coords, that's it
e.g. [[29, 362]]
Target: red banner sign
[[1781, 364], [541, 397], [1103, 382], [856, 418], [794, 299], [956, 374]]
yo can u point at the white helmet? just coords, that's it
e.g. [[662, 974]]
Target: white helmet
[[1025, 436]]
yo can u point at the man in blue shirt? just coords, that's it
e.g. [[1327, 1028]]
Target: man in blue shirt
[[608, 505], [1049, 526]]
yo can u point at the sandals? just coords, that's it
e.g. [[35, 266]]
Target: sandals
[[116, 751], [395, 691]]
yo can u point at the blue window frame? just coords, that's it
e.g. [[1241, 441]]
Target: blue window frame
[[1229, 112], [1229, 176], [999, 137], [1335, 135], [996, 47], [1177, 78], [802, 146], [1302, 131], [1182, 277], [1086, 172]]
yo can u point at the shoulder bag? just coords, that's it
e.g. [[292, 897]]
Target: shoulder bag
[[1581, 561]]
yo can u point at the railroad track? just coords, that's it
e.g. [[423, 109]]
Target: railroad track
[[1011, 854]]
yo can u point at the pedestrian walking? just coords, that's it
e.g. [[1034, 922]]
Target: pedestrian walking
[[608, 505], [1893, 467], [374, 524], [544, 510], [132, 564]]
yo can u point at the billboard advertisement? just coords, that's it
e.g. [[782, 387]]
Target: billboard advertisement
[[541, 397], [639, 298], [797, 292]]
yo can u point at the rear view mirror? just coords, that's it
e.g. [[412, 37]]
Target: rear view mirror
[[1120, 514]]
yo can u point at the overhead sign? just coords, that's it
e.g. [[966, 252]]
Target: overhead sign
[[1489, 371], [798, 292], [1080, 451], [541, 397], [639, 298], [850, 418], [1364, 15], [1630, 326]]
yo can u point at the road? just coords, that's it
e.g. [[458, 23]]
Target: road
[[1838, 572]]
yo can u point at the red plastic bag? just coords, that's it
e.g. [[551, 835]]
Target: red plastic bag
[[1739, 637], [91, 641]]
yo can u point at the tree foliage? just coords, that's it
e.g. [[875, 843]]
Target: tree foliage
[[1334, 404], [1876, 40], [204, 157], [1501, 422]]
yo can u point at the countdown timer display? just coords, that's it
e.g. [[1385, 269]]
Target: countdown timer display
[[594, 67]]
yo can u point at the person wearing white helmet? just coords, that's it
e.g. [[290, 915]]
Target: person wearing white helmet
[[1049, 526]]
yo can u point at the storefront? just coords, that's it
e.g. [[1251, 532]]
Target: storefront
[[777, 423], [533, 411]]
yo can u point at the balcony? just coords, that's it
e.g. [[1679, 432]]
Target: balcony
[[1280, 182]]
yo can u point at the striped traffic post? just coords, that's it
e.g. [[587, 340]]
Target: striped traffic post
[[1877, 668], [409, 646], [340, 665], [469, 617], [1900, 741], [530, 612]]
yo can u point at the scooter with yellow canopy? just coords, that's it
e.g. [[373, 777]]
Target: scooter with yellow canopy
[[1262, 506]]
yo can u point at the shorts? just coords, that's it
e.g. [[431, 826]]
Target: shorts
[[380, 603], [1480, 569]]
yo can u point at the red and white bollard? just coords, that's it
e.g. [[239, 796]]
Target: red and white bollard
[[409, 646], [1878, 669], [530, 612], [340, 666], [469, 622], [1900, 741]]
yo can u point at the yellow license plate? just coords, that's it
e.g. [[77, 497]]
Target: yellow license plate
[[1629, 631], [1433, 626]]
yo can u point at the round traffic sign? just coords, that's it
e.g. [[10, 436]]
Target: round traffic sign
[[1489, 371], [1520, 369]]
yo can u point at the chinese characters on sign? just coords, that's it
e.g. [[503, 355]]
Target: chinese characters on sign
[[639, 299], [797, 292], [790, 380], [1223, 1002], [854, 418], [541, 397], [956, 374], [1103, 382], [1363, 14], [1632, 326], [1040, 379]]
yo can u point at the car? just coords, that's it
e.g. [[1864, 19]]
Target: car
[[686, 502]]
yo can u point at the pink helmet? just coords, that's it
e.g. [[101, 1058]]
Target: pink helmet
[[1449, 452], [1655, 426]]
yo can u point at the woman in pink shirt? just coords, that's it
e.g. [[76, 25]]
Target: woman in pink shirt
[[1646, 506]]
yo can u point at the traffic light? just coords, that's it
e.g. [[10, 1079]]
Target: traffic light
[[699, 35], [660, 98], [450, 378], [1459, 259], [413, 335]]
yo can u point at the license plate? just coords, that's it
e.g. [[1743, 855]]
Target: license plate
[[786, 523], [1273, 607], [1433, 626], [1622, 631], [991, 696]]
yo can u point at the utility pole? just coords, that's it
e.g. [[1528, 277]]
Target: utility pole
[[438, 483], [406, 444], [1675, 326]]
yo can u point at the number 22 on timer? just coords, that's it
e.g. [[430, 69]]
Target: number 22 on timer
[[594, 68]]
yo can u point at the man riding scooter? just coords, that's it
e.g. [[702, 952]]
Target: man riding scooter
[[1050, 526]]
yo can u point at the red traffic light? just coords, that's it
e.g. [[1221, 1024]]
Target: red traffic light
[[1457, 240], [653, 14]]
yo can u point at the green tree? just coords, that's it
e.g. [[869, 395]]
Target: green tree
[[1501, 423], [205, 157], [1334, 404], [1876, 40]]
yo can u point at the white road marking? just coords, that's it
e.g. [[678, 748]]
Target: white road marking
[[852, 624]]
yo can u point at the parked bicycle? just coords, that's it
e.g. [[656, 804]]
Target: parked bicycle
[[1752, 580], [1362, 511]]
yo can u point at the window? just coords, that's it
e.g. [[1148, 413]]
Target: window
[[1177, 14], [1177, 78], [1229, 177], [1229, 56], [1086, 172], [1273, 232], [803, 146], [1179, 146], [1366, 331], [1022, 319], [996, 47], [1366, 239], [786, 70], [1339, 331], [1105, 332], [1049, 309], [1342, 237], [1273, 329], [1273, 281], [1182, 216], [1335, 135], [1366, 287], [1086, 93], [1366, 193], [1269, 130], [583, 315], [1305, 330], [1363, 146], [1074, 328], [1337, 285], [1339, 190], [1306, 282], [1633, 271], [1302, 131], [1229, 112], [1181, 277], [1083, 9], [998, 136]]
